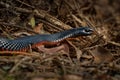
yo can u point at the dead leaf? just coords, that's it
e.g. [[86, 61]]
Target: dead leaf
[[38, 28], [101, 54], [37, 78], [63, 47], [78, 51], [103, 77], [32, 22], [72, 77]]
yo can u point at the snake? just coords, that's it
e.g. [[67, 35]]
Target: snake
[[24, 43]]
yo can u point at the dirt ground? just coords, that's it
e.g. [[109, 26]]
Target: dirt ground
[[94, 57]]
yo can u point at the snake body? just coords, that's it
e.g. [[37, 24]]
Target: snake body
[[23, 43]]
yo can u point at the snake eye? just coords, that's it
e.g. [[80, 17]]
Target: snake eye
[[88, 30]]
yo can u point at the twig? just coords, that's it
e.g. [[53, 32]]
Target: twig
[[51, 25], [77, 19], [13, 25], [114, 43], [42, 14], [18, 63], [25, 4], [19, 53]]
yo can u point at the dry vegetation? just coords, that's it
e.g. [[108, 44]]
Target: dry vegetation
[[95, 57]]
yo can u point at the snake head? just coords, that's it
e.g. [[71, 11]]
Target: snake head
[[83, 31], [86, 31]]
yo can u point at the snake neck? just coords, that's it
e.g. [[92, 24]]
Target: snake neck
[[60, 36], [75, 32]]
